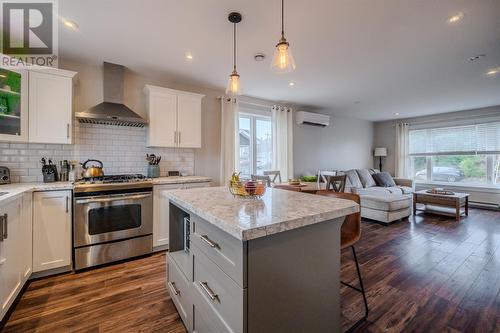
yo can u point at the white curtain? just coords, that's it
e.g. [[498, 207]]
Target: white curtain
[[402, 151], [283, 141], [229, 138]]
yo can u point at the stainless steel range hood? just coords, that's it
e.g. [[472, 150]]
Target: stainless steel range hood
[[112, 111]]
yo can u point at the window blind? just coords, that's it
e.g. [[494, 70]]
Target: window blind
[[458, 140]]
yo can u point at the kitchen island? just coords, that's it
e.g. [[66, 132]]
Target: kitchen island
[[265, 265]]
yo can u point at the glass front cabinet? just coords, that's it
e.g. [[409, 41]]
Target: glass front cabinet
[[13, 105]]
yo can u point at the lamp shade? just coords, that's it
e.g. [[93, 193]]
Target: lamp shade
[[380, 152]]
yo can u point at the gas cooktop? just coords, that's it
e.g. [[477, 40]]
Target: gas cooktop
[[125, 178], [103, 183]]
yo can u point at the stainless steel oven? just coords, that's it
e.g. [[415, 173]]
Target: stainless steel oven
[[112, 222]]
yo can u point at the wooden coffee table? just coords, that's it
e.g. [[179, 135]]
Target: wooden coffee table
[[456, 201]]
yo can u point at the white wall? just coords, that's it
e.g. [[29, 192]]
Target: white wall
[[346, 144], [89, 92]]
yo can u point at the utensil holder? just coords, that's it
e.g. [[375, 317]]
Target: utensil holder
[[153, 171]]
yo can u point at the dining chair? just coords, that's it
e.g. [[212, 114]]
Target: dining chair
[[350, 233], [322, 174], [273, 175], [336, 183], [266, 179]]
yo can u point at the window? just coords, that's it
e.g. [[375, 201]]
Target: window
[[256, 144], [467, 155]]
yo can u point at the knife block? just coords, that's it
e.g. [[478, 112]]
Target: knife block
[[49, 173]]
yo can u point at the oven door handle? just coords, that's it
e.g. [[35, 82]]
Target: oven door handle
[[113, 198]]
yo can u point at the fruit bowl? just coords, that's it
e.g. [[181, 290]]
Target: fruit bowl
[[247, 189]]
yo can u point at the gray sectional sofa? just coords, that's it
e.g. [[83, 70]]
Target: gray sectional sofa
[[385, 204]]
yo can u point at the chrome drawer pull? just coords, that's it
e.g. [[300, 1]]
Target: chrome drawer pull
[[209, 241], [204, 285], [5, 226], [176, 291], [1, 228]]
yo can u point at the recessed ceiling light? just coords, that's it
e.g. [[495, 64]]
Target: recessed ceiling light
[[479, 56], [189, 56], [259, 56], [455, 18], [396, 114], [70, 24], [493, 71], [291, 83]]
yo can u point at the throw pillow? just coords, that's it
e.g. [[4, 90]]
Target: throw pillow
[[353, 178], [383, 179], [366, 178]]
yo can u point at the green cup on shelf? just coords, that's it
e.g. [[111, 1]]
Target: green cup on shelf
[[4, 106]]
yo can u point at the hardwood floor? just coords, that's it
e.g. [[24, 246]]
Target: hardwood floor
[[426, 274]]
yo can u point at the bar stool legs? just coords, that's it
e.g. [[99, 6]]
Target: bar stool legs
[[361, 290]]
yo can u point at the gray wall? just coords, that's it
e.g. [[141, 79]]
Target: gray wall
[[385, 131], [346, 144]]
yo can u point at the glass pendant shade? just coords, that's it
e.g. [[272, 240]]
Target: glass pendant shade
[[283, 61], [233, 85]]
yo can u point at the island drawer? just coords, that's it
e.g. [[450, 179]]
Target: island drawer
[[179, 289], [214, 290], [223, 249]]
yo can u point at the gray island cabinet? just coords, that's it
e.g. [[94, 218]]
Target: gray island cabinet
[[266, 265]]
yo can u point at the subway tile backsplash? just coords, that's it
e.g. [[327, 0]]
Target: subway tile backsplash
[[121, 149]]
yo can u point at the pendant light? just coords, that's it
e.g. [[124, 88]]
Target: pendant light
[[283, 61], [233, 85]]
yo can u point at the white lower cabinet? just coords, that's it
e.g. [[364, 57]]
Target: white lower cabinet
[[51, 230], [15, 249], [161, 211]]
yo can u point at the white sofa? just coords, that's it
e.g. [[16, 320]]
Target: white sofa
[[383, 204]]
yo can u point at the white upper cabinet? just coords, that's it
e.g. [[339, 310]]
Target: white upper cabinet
[[162, 126], [189, 121], [51, 106], [13, 105], [174, 118]]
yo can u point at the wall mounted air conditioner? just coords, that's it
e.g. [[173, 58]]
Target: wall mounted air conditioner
[[314, 119]]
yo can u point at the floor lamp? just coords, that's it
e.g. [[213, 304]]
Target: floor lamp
[[380, 152]]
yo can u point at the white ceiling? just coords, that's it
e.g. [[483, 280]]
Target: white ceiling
[[364, 58]]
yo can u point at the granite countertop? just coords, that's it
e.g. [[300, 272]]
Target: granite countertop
[[16, 189], [181, 180], [246, 219]]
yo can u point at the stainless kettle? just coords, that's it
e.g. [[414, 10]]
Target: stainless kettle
[[92, 171]]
